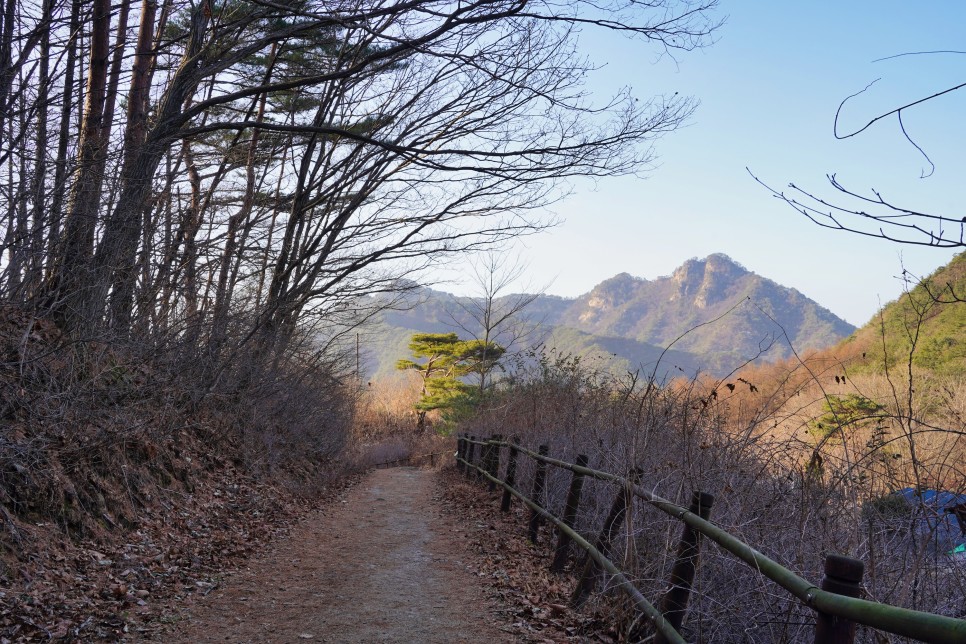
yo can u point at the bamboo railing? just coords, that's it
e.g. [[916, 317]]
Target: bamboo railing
[[836, 602]]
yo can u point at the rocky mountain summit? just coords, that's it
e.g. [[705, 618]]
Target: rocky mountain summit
[[715, 303], [714, 314]]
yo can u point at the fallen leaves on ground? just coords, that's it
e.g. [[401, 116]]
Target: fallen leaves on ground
[[133, 582], [535, 600]]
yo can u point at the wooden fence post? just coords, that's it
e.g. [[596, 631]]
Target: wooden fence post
[[675, 601], [843, 576], [460, 445], [562, 552], [471, 448], [539, 481], [511, 474], [492, 462], [618, 510], [485, 451]]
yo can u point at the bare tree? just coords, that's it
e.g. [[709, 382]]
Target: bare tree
[[72, 273], [274, 162], [494, 314], [872, 214]]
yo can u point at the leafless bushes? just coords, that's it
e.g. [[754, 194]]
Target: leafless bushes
[[752, 442], [91, 430], [385, 429]]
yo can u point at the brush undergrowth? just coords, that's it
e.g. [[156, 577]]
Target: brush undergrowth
[[790, 489], [94, 432]]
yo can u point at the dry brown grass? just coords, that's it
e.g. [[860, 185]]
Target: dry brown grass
[[385, 425], [753, 445]]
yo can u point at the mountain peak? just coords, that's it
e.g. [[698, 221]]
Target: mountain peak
[[699, 291], [722, 261], [705, 281], [619, 282], [611, 293], [700, 308], [716, 262]]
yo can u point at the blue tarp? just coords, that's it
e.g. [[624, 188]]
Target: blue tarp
[[935, 518]]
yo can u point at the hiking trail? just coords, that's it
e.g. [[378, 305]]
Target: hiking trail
[[384, 565]]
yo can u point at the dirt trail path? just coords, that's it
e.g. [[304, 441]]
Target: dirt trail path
[[383, 566]]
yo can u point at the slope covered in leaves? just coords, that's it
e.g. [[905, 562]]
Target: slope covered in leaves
[[120, 495]]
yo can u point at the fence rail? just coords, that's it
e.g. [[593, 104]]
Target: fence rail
[[414, 461], [836, 603]]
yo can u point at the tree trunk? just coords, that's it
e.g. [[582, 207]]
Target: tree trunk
[[63, 140], [276, 210], [223, 292], [189, 261], [115, 260], [73, 273], [19, 193], [122, 300], [7, 19], [38, 188]]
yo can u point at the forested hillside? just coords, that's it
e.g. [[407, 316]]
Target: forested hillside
[[927, 324]]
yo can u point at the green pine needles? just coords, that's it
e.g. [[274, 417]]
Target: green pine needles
[[449, 366]]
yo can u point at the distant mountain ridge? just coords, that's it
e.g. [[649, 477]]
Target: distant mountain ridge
[[714, 313], [702, 290]]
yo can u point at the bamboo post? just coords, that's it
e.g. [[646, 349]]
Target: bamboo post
[[511, 474], [539, 481], [675, 601], [562, 552], [618, 511], [843, 576]]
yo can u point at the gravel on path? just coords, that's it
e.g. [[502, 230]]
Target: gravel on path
[[382, 566]]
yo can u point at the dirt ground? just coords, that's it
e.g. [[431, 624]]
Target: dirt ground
[[385, 565]]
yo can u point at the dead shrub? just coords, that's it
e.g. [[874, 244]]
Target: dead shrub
[[744, 440]]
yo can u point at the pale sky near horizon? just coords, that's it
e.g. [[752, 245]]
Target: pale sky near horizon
[[769, 88]]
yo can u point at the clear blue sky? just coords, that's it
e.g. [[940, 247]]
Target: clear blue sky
[[769, 88]]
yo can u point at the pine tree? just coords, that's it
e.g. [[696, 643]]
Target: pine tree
[[447, 360]]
